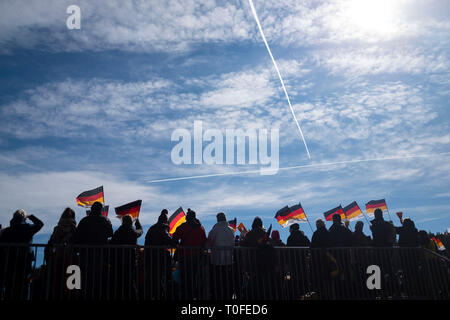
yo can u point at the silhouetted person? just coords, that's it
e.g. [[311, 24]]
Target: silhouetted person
[[340, 236], [408, 236], [359, 238], [297, 238], [93, 230], [191, 236], [16, 262], [124, 259], [158, 263], [275, 239], [260, 263], [221, 240], [254, 235], [296, 261], [58, 255], [381, 231], [321, 237]]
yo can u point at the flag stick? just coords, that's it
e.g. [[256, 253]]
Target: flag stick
[[309, 223]]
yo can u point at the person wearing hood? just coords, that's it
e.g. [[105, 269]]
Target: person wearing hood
[[19, 259], [297, 238], [191, 237], [221, 239], [381, 231], [158, 261], [57, 255]]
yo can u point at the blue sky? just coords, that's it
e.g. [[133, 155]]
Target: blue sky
[[97, 106]]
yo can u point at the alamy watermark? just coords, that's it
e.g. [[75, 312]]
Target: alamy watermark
[[237, 147]]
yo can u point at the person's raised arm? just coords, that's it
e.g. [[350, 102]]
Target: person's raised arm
[[139, 230], [37, 224]]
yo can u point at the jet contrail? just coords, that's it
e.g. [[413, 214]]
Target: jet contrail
[[314, 165], [279, 75]]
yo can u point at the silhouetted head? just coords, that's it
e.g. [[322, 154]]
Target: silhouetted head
[[359, 226], [257, 223], [163, 217], [337, 218], [190, 214], [408, 223], [275, 235], [378, 214], [165, 212], [68, 213], [96, 209], [127, 220], [19, 215], [221, 217], [294, 227], [320, 224]]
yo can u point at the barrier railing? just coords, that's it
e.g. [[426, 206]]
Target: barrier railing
[[40, 272]]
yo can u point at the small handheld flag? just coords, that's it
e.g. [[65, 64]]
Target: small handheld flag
[[232, 224], [105, 210], [242, 229], [330, 213], [352, 211], [176, 219], [290, 215], [266, 237], [439, 244], [372, 205], [132, 208], [87, 198]]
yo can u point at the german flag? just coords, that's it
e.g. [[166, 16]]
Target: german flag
[[104, 211], [132, 208], [372, 205], [290, 215], [88, 198], [177, 218], [330, 213], [352, 210], [242, 228], [439, 244], [232, 224]]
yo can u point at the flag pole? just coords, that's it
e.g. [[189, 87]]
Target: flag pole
[[309, 223]]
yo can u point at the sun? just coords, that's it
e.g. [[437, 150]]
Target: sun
[[371, 16]]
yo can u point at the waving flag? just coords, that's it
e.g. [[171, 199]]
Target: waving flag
[[352, 211], [232, 224], [87, 198], [372, 205], [131, 208], [177, 218], [290, 215], [330, 213], [242, 229], [439, 244], [105, 210]]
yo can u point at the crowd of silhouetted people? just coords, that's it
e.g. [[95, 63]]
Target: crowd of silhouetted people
[[255, 265]]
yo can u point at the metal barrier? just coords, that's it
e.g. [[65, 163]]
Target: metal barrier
[[39, 272]]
